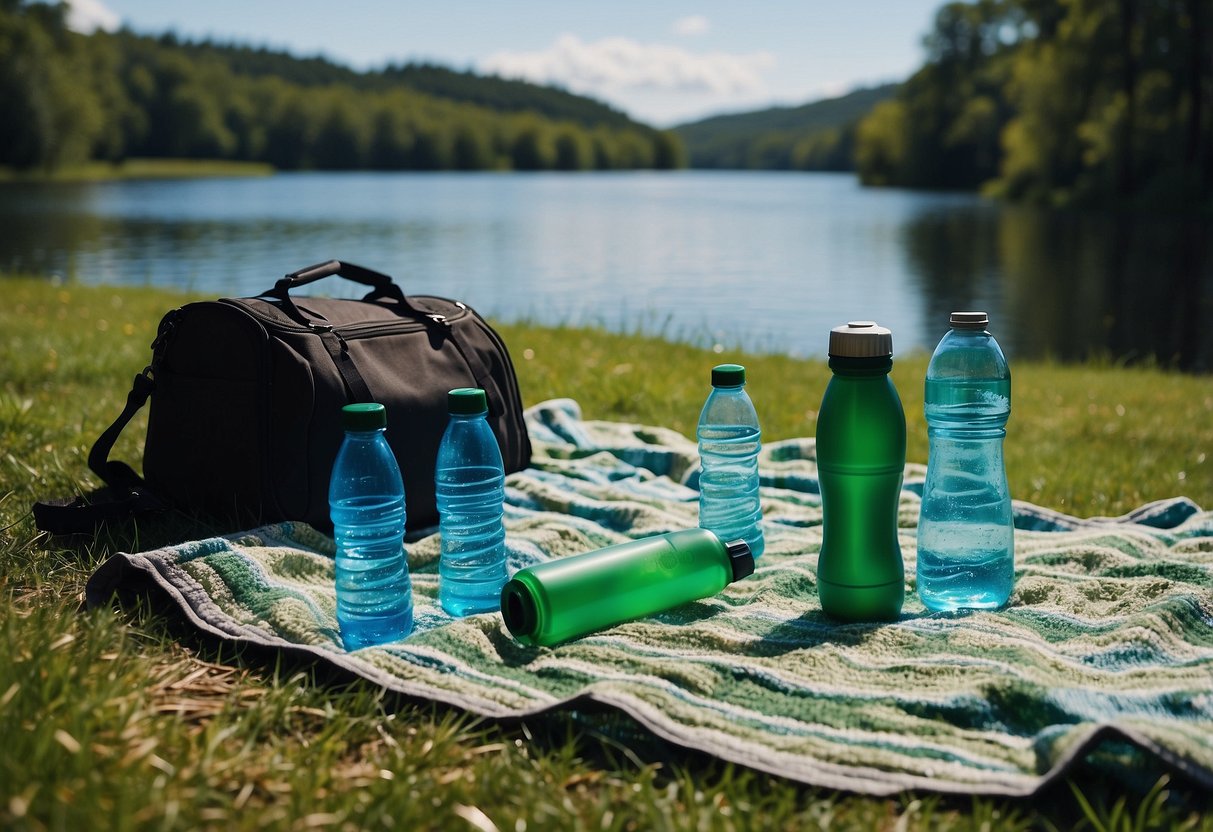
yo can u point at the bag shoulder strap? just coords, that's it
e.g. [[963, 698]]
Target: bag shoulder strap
[[125, 494]]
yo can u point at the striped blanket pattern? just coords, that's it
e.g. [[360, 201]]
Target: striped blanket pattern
[[1105, 651]]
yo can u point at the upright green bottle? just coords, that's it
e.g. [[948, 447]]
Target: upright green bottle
[[861, 453], [569, 597]]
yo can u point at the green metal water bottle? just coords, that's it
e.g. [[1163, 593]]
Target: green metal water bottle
[[569, 597], [861, 454]]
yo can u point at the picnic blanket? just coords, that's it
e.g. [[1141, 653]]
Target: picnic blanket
[[1105, 651]]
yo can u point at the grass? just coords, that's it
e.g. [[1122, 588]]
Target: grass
[[126, 719], [138, 169]]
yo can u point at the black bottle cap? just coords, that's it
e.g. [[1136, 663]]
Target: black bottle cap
[[518, 609], [741, 558]]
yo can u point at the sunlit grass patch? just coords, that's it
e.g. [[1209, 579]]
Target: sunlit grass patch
[[124, 718]]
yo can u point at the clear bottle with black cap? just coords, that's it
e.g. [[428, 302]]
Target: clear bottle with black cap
[[729, 441], [571, 596]]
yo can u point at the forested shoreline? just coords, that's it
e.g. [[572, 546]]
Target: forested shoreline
[[1058, 102], [1085, 101], [67, 98]]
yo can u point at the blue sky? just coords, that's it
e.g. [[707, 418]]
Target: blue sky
[[663, 63]]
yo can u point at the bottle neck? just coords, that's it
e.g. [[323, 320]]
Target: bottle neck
[[468, 417], [877, 365]]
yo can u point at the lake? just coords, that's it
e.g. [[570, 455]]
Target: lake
[[766, 261]]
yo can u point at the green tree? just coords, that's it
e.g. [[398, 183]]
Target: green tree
[[391, 135], [880, 144], [292, 126], [533, 147], [1113, 105], [433, 147], [668, 151], [1054, 100], [472, 148], [574, 150], [343, 135], [50, 112]]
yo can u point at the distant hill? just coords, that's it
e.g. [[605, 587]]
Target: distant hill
[[489, 91], [814, 136], [69, 99], [507, 94]]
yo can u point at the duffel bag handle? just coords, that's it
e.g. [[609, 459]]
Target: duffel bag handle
[[382, 286], [350, 271]]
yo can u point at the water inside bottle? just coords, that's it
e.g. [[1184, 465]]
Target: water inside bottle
[[964, 565], [374, 592], [472, 568], [728, 485]]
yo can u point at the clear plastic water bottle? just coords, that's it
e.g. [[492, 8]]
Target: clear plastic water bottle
[[966, 546], [729, 441], [470, 487], [861, 456], [366, 504]]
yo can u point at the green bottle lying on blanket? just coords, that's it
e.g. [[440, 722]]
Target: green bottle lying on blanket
[[861, 454], [569, 597]]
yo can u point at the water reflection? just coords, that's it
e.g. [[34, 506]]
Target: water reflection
[[771, 261], [1120, 286]]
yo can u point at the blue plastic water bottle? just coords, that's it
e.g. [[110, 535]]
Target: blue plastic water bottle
[[470, 487], [729, 441], [366, 503], [966, 546]]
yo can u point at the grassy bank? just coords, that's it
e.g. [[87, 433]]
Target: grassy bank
[[126, 719], [139, 169]]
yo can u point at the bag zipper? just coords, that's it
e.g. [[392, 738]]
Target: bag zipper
[[358, 330]]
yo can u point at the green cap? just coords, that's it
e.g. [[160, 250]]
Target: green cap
[[364, 416], [467, 401], [728, 375]]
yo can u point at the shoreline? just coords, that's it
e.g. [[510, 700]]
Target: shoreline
[[136, 169]]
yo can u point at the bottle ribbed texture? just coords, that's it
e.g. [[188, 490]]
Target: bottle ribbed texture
[[729, 441], [366, 504], [966, 552], [470, 489]]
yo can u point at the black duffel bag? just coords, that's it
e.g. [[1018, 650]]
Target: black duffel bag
[[246, 395]]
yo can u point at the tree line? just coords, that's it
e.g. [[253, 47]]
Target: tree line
[[1055, 102], [67, 98]]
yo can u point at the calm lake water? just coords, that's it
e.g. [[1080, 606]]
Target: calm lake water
[[767, 261]]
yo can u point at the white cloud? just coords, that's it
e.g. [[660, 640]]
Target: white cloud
[[87, 16], [613, 66], [691, 25], [832, 89]]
